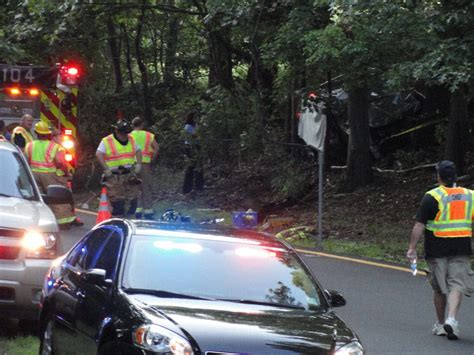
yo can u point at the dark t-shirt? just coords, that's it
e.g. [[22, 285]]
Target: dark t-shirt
[[124, 143], [19, 141], [436, 247]]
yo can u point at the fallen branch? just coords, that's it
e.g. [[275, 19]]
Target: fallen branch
[[426, 166], [419, 167]]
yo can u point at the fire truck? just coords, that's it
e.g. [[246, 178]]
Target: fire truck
[[48, 94]]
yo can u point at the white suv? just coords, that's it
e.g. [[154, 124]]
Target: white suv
[[29, 235]]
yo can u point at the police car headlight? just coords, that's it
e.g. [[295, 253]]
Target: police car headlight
[[354, 348], [161, 340]]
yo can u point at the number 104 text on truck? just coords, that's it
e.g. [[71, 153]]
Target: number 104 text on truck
[[49, 94]]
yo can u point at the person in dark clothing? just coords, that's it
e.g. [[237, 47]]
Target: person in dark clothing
[[445, 218], [193, 176], [2, 128], [21, 134]]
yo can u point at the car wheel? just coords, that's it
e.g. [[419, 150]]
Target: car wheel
[[47, 338]]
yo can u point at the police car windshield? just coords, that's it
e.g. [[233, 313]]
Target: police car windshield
[[224, 270], [14, 179]]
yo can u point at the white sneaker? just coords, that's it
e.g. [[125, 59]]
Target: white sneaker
[[438, 329], [451, 326]]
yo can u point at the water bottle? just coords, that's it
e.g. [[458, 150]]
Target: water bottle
[[413, 267]]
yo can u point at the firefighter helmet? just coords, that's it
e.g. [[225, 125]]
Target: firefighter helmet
[[42, 128], [123, 126]]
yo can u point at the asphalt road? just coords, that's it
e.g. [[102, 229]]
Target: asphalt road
[[391, 310]]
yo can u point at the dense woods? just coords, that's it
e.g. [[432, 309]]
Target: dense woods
[[247, 66]]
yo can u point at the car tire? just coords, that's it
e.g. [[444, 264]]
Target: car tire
[[47, 337]]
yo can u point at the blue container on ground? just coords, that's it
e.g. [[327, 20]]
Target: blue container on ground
[[244, 220]]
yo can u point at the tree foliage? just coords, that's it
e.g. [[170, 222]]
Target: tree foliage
[[245, 64]]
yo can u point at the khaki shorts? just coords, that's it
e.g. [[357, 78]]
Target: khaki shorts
[[451, 273]]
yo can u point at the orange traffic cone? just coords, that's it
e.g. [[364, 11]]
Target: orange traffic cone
[[103, 213]]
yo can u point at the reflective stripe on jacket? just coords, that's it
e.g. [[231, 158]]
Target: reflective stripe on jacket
[[455, 215], [117, 154], [144, 140], [41, 155], [24, 133]]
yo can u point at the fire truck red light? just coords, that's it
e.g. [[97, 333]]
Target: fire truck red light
[[72, 71], [68, 157]]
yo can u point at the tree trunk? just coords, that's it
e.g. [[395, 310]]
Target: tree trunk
[[171, 47], [128, 56], [147, 112], [457, 134], [359, 161], [114, 47], [220, 66]]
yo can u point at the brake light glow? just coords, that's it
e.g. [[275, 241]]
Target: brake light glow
[[68, 157], [34, 92]]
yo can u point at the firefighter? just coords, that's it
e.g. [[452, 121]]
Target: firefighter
[[22, 135], [45, 157], [64, 178], [149, 148], [121, 159]]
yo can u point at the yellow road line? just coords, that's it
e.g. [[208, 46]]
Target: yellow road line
[[360, 261]]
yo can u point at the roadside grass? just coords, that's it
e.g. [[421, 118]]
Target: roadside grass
[[22, 345]]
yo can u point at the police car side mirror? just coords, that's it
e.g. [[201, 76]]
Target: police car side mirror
[[57, 195], [335, 298]]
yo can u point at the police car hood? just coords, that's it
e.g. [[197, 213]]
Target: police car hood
[[17, 213]]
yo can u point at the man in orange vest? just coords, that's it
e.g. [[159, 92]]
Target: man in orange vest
[[149, 148], [445, 217], [121, 159], [45, 158], [21, 135]]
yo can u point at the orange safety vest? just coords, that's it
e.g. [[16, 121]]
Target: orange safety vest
[[41, 155], [455, 212], [117, 154], [144, 140]]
